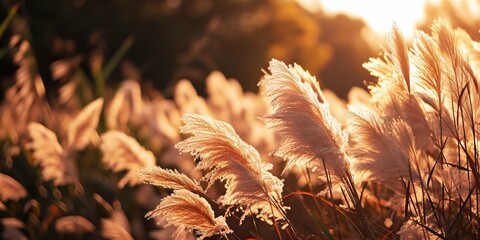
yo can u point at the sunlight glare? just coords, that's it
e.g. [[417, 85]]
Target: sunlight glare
[[378, 14]]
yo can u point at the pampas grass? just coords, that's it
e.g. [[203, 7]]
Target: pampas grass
[[400, 160], [168, 178], [188, 211], [125, 105], [113, 231], [124, 153], [57, 161], [310, 136], [50, 155], [10, 189], [83, 126], [74, 225], [226, 157], [117, 226]]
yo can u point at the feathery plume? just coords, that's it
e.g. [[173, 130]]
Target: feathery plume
[[384, 151], [187, 99], [399, 104], [392, 95], [11, 228], [224, 96], [12, 222], [84, 125], [411, 231], [168, 178], [74, 225], [126, 104], [49, 154], [188, 211], [248, 180], [445, 81], [358, 97], [116, 227], [399, 54], [427, 67], [163, 120], [461, 85], [10, 189], [112, 231], [67, 93], [122, 152], [310, 136]]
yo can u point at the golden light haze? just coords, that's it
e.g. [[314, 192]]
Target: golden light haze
[[378, 14]]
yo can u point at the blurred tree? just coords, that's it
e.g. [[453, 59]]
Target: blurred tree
[[350, 51], [177, 39], [462, 13]]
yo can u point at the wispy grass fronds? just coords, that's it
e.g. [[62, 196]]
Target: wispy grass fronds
[[82, 127], [125, 105], [190, 212], [57, 161], [117, 226], [445, 79], [162, 119], [392, 94], [10, 189], [398, 53], [123, 153], [224, 96], [384, 151], [425, 131], [226, 157], [187, 99], [310, 136], [11, 229], [49, 154], [74, 225], [168, 178], [113, 231], [411, 231]]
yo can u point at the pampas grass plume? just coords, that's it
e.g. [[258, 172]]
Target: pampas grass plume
[[188, 212], [122, 152]]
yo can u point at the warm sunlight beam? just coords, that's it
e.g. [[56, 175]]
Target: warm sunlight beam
[[378, 14]]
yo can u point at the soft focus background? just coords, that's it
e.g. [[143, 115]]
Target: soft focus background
[[175, 39]]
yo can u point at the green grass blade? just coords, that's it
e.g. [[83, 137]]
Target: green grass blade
[[100, 75], [117, 57], [3, 52], [8, 19]]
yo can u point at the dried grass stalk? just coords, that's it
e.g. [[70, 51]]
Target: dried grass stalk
[[126, 104], [399, 54], [11, 228], [168, 178], [383, 151], [123, 153], [412, 231], [74, 225], [113, 231], [82, 127], [48, 153], [310, 136], [190, 212], [10, 189], [221, 152], [187, 99]]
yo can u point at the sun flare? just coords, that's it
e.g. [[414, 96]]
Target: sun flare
[[378, 14]]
